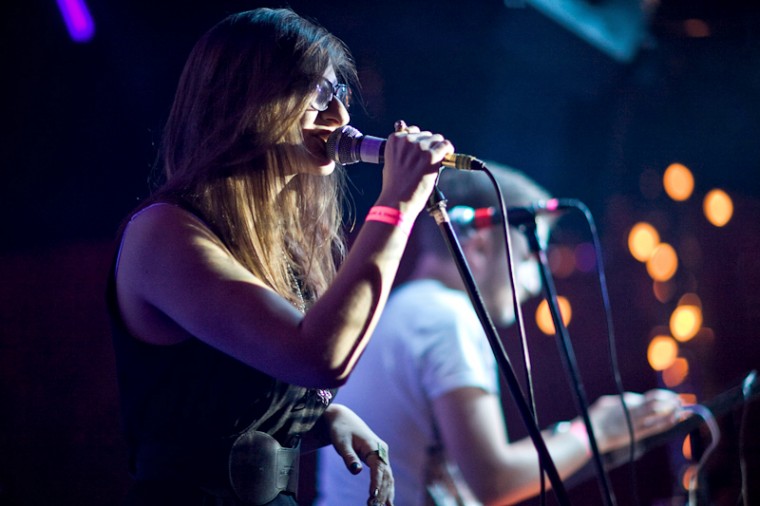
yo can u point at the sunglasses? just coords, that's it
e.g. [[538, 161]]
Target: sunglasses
[[326, 91]]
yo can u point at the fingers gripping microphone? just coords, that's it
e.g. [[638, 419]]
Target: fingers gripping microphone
[[348, 145]]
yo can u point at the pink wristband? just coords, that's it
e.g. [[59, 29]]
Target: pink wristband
[[390, 215], [578, 429]]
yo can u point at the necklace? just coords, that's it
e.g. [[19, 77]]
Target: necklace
[[323, 394], [301, 306]]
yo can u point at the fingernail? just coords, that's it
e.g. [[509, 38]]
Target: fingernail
[[376, 492], [355, 467]]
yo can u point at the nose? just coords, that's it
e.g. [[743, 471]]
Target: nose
[[336, 114]]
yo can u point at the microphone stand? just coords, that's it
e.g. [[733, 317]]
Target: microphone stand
[[437, 209], [529, 228]]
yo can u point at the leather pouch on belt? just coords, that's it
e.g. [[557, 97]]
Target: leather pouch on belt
[[260, 468]]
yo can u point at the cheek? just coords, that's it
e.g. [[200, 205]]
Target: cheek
[[528, 278], [307, 119]]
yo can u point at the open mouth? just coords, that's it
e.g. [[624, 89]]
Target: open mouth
[[319, 145]]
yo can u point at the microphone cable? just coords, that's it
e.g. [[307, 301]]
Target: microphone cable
[[748, 385], [610, 330], [519, 319], [611, 340]]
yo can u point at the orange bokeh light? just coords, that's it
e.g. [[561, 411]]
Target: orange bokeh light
[[676, 373], [678, 182], [662, 352], [689, 474], [642, 240], [685, 322], [544, 317], [686, 447], [718, 207], [663, 263]]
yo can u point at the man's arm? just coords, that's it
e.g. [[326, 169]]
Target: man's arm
[[472, 427]]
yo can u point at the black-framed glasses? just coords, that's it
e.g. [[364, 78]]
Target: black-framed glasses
[[326, 91]]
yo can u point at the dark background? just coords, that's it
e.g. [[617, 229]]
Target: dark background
[[504, 83]]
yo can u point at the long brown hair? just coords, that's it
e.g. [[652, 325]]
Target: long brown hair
[[233, 135]]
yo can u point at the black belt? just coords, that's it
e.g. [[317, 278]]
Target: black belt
[[260, 468], [254, 470]]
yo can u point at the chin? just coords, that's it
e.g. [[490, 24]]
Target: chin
[[503, 315], [324, 169], [506, 320], [319, 164]]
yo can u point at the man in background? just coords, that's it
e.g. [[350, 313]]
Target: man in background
[[428, 382]]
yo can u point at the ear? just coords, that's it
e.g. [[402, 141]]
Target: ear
[[478, 249]]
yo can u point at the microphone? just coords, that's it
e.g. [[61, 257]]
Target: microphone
[[348, 145], [484, 217]]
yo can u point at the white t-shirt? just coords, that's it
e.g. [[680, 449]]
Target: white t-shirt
[[428, 342]]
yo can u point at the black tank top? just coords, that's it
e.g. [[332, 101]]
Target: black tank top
[[183, 405]]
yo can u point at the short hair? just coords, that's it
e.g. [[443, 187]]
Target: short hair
[[474, 189]]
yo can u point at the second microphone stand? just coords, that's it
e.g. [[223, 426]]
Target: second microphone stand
[[530, 230], [437, 209]]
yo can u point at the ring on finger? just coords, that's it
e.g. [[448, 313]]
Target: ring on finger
[[381, 452]]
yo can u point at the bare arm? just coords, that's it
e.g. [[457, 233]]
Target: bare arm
[[473, 431], [357, 443], [175, 281]]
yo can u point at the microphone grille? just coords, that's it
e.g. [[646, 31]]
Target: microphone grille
[[342, 145]]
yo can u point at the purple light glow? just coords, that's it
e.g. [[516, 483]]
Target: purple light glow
[[585, 257], [78, 20]]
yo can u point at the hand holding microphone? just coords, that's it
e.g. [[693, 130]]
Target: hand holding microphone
[[348, 145], [412, 161]]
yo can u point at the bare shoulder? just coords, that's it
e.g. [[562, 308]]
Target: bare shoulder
[[164, 241], [167, 229], [164, 220], [171, 268]]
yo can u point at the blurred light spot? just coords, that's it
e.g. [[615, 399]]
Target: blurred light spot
[[688, 399], [585, 257], [686, 447], [696, 28], [718, 207], [664, 290], [678, 182], [642, 240], [78, 20], [561, 261], [690, 299], [663, 263], [688, 476], [544, 317], [685, 322], [676, 373], [706, 334], [662, 352]]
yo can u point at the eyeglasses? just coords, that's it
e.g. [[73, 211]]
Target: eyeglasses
[[326, 91]]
